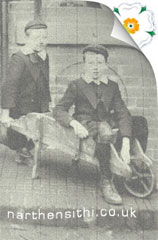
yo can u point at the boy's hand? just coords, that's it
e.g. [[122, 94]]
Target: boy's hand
[[79, 129], [5, 119]]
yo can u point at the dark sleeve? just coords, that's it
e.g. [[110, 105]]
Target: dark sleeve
[[123, 115], [61, 110], [11, 83], [48, 82]]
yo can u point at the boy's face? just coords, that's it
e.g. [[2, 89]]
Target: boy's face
[[38, 39], [95, 65]]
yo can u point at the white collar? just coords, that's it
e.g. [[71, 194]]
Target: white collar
[[27, 50], [42, 54], [88, 79]]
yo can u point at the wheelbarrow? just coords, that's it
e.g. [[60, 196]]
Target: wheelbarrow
[[45, 132]]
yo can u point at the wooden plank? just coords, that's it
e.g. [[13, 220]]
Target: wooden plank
[[148, 204], [130, 205], [129, 201], [146, 218], [140, 203]]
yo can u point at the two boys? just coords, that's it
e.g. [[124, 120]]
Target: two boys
[[94, 95]]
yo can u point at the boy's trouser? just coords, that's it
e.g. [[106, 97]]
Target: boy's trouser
[[101, 133]]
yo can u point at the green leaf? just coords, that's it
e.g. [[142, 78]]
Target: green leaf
[[116, 10], [143, 9], [152, 33]]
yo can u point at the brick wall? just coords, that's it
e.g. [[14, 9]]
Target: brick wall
[[133, 71]]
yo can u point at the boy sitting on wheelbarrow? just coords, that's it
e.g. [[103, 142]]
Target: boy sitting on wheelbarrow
[[94, 96]]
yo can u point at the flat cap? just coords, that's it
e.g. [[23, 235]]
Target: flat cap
[[100, 49], [35, 24]]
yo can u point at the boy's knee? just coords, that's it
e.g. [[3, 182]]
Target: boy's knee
[[105, 133]]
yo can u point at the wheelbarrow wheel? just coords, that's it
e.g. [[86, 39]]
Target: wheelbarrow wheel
[[141, 183]]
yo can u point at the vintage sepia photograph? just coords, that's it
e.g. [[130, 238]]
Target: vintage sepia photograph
[[78, 125]]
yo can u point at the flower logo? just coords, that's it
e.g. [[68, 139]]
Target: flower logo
[[131, 25], [138, 21]]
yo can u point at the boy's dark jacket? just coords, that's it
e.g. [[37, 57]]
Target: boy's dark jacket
[[83, 96], [26, 88]]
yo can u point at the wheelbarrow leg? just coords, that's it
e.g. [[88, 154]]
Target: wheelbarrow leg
[[35, 174]]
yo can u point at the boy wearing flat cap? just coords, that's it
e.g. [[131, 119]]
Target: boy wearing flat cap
[[95, 96], [26, 88]]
